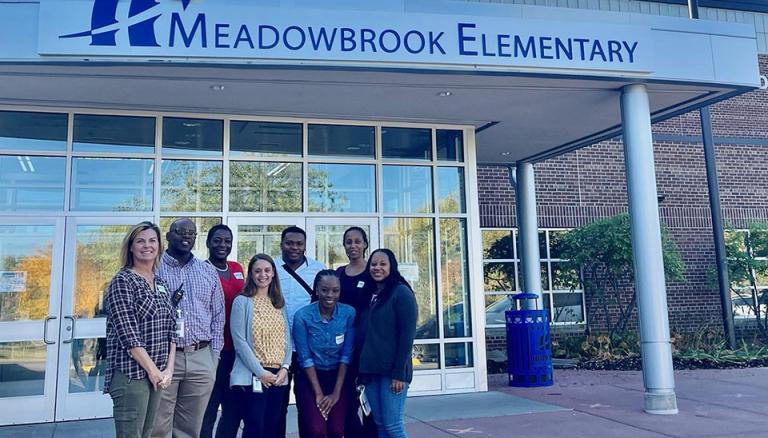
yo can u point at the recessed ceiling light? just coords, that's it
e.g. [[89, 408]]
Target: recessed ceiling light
[[444, 94], [505, 154], [217, 87]]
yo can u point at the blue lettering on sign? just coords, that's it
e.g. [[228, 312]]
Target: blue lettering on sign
[[191, 30]]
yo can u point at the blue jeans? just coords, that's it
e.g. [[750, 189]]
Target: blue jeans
[[387, 407]]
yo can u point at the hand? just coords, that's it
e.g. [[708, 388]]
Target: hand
[[397, 386], [328, 402], [155, 378], [281, 378], [320, 401], [167, 378], [267, 379]]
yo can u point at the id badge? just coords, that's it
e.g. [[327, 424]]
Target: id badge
[[256, 385], [179, 324]]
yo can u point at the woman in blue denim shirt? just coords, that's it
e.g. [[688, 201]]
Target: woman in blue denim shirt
[[323, 333]]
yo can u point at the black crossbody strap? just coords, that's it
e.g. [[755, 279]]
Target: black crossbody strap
[[301, 281]]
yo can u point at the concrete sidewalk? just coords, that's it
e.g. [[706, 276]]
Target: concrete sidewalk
[[713, 403]]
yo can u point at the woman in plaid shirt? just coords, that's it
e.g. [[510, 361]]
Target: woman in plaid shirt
[[140, 333]]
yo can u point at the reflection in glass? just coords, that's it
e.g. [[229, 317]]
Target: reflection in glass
[[25, 271], [193, 136], [87, 366], [29, 131], [454, 275], [450, 190], [342, 188], [22, 368], [544, 277], [556, 243], [32, 183], [499, 276], [563, 278], [191, 186], [568, 307], [100, 184], [255, 239], [203, 224], [265, 186], [498, 244], [412, 241], [328, 244], [495, 306], [406, 143], [450, 145], [407, 189], [341, 141], [97, 260], [265, 139], [95, 133], [458, 355], [426, 356]]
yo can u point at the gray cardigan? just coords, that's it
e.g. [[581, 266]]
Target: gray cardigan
[[240, 325]]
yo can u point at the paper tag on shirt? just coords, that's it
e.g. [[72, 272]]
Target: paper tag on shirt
[[340, 339], [239, 275], [160, 288], [360, 284]]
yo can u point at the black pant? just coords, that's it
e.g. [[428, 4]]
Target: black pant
[[260, 411], [221, 395], [282, 429]]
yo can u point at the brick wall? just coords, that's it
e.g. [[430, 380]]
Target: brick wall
[[584, 185]]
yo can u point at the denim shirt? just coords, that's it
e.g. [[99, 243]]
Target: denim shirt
[[324, 344]]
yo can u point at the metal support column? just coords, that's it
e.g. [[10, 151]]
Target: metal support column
[[528, 230], [656, 350]]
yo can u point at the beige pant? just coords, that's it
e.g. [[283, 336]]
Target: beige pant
[[183, 404]]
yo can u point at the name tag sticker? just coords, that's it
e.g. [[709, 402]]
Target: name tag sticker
[[160, 288], [239, 275], [360, 284], [340, 339]]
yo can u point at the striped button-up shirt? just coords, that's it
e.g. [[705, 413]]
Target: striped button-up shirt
[[202, 306]]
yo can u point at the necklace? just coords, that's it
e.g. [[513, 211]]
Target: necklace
[[218, 268]]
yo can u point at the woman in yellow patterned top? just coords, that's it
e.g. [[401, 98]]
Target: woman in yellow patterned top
[[262, 341]]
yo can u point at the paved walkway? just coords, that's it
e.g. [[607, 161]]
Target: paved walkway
[[713, 403]]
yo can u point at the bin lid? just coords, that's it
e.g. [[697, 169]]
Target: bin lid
[[525, 296]]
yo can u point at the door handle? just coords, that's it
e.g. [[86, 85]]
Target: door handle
[[70, 329], [45, 330]]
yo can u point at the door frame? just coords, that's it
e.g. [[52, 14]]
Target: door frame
[[38, 408]]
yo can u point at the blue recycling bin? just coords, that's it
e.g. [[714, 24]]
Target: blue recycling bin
[[529, 346]]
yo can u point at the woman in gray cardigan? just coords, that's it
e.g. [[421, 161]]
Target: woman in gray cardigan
[[262, 340]]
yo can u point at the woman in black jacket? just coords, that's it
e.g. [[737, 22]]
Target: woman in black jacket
[[389, 329]]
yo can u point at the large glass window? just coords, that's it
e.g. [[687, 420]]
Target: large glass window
[[407, 189], [342, 188], [450, 145], [28, 131], [105, 184], [97, 133], [32, 183], [192, 186], [26, 256], [413, 242], [501, 270], [22, 368], [265, 139], [265, 186], [341, 141], [406, 143], [199, 137], [451, 195], [454, 272]]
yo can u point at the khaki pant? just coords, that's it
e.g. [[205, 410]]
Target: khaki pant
[[134, 405], [182, 405]]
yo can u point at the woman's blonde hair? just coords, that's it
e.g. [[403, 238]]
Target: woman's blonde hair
[[126, 256]]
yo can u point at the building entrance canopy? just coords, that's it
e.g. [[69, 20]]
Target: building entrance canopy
[[535, 81]]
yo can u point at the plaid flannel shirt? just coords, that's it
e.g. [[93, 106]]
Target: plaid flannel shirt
[[137, 317]]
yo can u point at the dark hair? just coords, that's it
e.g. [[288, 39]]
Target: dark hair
[[274, 292], [322, 274], [292, 229], [216, 228], [394, 274], [355, 228], [126, 256]]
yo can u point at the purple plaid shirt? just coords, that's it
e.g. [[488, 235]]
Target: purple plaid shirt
[[203, 304]]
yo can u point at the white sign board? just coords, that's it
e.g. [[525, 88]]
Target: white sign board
[[13, 281]]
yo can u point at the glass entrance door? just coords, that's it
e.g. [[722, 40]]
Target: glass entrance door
[[92, 259], [254, 235], [30, 290], [324, 238]]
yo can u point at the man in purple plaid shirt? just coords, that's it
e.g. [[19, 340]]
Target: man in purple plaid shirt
[[196, 290]]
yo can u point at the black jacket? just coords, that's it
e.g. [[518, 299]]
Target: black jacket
[[389, 327]]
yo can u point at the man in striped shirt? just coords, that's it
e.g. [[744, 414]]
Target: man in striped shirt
[[196, 292]]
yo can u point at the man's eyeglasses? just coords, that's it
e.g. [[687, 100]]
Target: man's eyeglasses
[[185, 233]]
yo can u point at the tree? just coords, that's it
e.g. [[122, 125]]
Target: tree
[[600, 257], [747, 253]]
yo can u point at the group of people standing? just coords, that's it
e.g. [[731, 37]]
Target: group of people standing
[[186, 336]]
